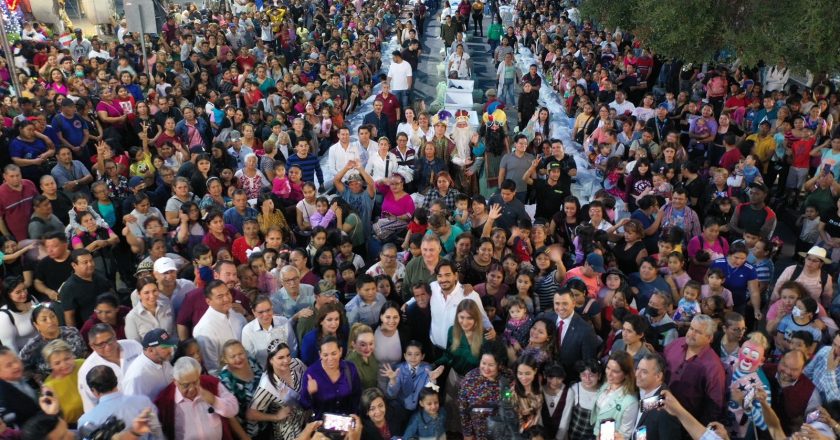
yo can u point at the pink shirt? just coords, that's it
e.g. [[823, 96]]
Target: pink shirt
[[706, 292], [193, 419], [403, 206]]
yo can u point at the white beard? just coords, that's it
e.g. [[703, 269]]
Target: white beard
[[461, 137]]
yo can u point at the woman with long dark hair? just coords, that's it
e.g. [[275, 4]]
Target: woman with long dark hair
[[329, 320], [279, 389]]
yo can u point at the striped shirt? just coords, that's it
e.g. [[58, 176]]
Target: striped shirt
[[309, 165]]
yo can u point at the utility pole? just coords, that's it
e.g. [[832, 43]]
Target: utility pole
[[10, 57]]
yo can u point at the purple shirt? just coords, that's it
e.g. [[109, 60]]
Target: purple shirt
[[698, 383], [341, 397]]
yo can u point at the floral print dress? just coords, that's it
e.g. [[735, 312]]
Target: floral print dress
[[244, 392], [477, 400]]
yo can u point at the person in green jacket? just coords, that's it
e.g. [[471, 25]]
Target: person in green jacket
[[494, 34], [448, 30]]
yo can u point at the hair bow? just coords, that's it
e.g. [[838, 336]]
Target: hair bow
[[433, 386], [248, 252]]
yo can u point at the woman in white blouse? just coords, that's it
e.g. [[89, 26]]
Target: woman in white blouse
[[383, 163], [15, 323], [150, 313], [409, 127], [424, 132]]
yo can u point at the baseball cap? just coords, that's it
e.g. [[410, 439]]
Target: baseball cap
[[759, 186], [355, 177], [596, 262], [145, 266], [164, 264], [135, 181], [159, 338], [553, 166], [234, 136]]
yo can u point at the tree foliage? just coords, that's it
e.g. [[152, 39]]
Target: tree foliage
[[803, 32]]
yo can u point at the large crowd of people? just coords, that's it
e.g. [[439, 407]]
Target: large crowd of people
[[201, 244]]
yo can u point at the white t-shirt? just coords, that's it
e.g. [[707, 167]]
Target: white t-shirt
[[623, 107], [399, 74]]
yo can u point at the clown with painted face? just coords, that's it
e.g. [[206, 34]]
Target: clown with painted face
[[744, 410]]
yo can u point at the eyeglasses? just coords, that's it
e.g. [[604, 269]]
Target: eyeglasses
[[291, 280], [390, 257], [814, 260], [104, 343]]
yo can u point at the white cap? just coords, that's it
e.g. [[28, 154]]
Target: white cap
[[164, 264]]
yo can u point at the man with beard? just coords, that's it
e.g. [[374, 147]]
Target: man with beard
[[462, 154]]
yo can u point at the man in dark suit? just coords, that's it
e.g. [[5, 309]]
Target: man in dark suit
[[653, 423], [575, 339], [16, 395]]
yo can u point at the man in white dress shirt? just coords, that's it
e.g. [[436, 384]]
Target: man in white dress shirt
[[108, 351], [218, 325], [152, 371], [195, 406], [267, 326], [342, 152], [447, 293]]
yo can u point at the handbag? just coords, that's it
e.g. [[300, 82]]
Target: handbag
[[385, 228], [579, 136]]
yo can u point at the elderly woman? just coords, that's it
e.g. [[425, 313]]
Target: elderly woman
[[240, 375], [45, 321], [150, 313], [279, 389], [214, 198], [63, 379], [250, 178]]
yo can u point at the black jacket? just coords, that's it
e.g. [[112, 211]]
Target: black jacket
[[15, 401], [659, 424], [580, 342]]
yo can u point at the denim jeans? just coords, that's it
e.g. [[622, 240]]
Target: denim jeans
[[507, 93], [402, 97]]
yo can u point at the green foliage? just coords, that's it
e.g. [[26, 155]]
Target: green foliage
[[803, 32]]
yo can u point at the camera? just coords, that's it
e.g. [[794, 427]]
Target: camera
[[107, 429]]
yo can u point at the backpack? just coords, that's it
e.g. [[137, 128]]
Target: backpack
[[655, 335], [823, 277]]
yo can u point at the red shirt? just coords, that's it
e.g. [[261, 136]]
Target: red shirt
[[390, 105], [802, 152], [730, 159], [16, 208]]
